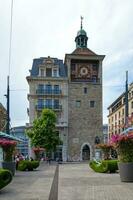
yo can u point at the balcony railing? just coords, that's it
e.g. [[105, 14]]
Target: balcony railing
[[48, 92], [54, 107]]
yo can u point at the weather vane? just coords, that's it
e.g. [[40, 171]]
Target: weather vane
[[81, 21]]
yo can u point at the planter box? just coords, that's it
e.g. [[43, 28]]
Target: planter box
[[126, 172], [10, 166]]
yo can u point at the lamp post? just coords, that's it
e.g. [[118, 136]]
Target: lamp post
[[126, 101], [8, 108]]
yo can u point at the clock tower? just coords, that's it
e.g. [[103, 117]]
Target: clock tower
[[84, 99]]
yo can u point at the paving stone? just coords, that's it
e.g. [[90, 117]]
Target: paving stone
[[79, 182]]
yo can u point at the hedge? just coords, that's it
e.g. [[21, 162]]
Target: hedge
[[5, 177], [27, 165], [104, 166], [98, 166]]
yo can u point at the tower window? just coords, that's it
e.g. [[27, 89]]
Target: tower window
[[85, 90], [78, 104], [92, 104]]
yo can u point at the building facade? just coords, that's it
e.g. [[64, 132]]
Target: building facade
[[73, 89], [116, 117], [22, 147]]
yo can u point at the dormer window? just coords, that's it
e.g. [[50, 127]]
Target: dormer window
[[55, 74], [48, 72], [42, 72]]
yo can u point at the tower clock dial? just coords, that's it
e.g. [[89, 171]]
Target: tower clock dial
[[84, 71]]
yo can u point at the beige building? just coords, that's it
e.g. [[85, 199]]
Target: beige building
[[73, 89], [48, 88], [116, 117]]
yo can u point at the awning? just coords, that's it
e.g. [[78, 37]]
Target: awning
[[11, 137]]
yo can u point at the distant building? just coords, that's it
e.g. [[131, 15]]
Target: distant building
[[105, 133], [73, 89], [3, 118], [19, 132], [116, 117]]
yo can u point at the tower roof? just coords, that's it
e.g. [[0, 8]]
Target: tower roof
[[81, 38]]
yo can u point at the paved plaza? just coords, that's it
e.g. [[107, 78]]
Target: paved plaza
[[79, 182], [76, 182], [33, 185]]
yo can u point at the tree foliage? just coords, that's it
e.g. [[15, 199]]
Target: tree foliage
[[43, 133]]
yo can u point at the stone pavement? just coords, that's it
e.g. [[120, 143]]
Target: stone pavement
[[33, 185], [79, 182]]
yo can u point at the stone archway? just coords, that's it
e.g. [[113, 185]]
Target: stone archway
[[86, 152]]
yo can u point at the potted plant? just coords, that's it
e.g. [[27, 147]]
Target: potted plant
[[8, 147], [37, 151], [124, 146], [106, 149]]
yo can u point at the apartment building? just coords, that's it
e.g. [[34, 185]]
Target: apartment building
[[116, 117]]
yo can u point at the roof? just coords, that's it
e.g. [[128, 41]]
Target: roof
[[84, 51], [40, 61], [81, 32], [11, 137]]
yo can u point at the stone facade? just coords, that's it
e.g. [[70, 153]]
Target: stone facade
[[85, 122]]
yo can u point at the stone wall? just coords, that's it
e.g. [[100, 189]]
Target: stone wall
[[84, 122]]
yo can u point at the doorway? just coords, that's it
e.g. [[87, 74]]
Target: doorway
[[85, 152]]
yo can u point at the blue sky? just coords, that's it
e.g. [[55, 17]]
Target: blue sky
[[48, 28]]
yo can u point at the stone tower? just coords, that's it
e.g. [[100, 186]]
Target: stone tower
[[84, 99]]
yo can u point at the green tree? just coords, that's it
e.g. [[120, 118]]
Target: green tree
[[44, 133]]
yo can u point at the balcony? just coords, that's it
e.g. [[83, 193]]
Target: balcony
[[48, 92], [53, 107]]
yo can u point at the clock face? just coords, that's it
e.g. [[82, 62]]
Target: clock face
[[84, 71]]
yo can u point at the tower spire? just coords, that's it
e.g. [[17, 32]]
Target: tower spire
[[81, 38], [81, 22]]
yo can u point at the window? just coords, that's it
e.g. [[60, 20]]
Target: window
[[56, 89], [78, 104], [115, 116], [123, 111], [92, 104], [73, 67], [56, 103], [40, 88], [85, 90], [112, 119], [94, 67], [48, 72], [132, 104], [49, 89], [41, 72], [54, 72], [119, 114], [40, 103], [94, 79], [48, 103]]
